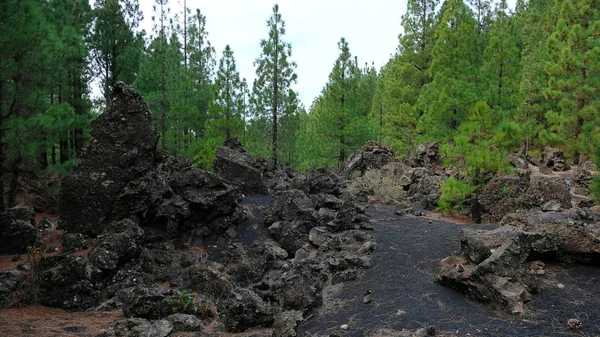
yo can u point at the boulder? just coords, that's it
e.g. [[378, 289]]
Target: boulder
[[286, 323], [139, 327], [544, 189], [156, 303], [210, 198], [69, 282], [324, 181], [290, 205], [17, 230], [493, 265], [301, 289], [207, 280], [233, 163], [185, 322], [10, 282], [554, 159], [73, 242], [118, 245], [501, 196], [425, 155], [242, 309], [581, 181], [116, 175], [373, 156], [518, 160]]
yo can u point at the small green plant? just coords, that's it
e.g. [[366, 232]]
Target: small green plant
[[182, 301], [454, 194]]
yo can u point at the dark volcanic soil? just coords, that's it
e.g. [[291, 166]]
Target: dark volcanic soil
[[405, 295]]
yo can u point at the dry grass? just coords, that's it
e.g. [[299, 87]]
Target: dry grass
[[39, 321], [381, 189]]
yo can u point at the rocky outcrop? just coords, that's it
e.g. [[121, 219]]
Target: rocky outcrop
[[233, 163], [18, 230], [425, 154], [121, 174], [243, 309], [10, 283], [506, 194], [372, 156], [494, 265], [69, 282], [116, 176], [554, 160]]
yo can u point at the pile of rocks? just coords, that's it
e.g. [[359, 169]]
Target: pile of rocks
[[372, 156], [502, 266], [141, 212]]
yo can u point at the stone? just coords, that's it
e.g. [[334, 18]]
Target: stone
[[425, 154], [373, 156], [501, 196], [242, 309], [69, 282], [10, 282], [551, 206], [519, 161], [156, 303], [184, 322], [115, 177], [17, 230], [286, 323], [290, 205], [118, 245], [554, 159], [233, 163], [210, 197], [207, 280], [73, 242], [544, 189]]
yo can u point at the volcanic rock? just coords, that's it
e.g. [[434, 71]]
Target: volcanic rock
[[233, 163]]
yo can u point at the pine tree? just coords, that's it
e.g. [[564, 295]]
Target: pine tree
[[574, 73], [225, 113], [116, 47], [28, 40], [275, 74], [447, 100], [501, 69], [201, 64], [401, 79], [534, 19], [340, 115]]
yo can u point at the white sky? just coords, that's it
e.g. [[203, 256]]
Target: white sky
[[313, 27]]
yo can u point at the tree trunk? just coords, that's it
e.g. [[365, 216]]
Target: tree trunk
[[275, 97], [14, 182]]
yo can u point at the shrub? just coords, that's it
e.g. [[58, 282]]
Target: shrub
[[454, 194], [382, 189]]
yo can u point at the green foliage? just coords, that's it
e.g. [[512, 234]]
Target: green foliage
[[454, 194], [272, 96], [447, 100], [182, 301], [573, 70]]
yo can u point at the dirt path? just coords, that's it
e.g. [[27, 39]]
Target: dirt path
[[406, 297]]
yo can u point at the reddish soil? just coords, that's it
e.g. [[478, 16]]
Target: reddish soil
[[41, 321]]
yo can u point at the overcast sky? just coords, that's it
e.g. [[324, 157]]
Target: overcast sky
[[313, 27]]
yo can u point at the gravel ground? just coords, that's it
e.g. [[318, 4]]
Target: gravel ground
[[405, 296]]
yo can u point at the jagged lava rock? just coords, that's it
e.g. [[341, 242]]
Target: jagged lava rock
[[115, 177], [18, 230], [233, 163]]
